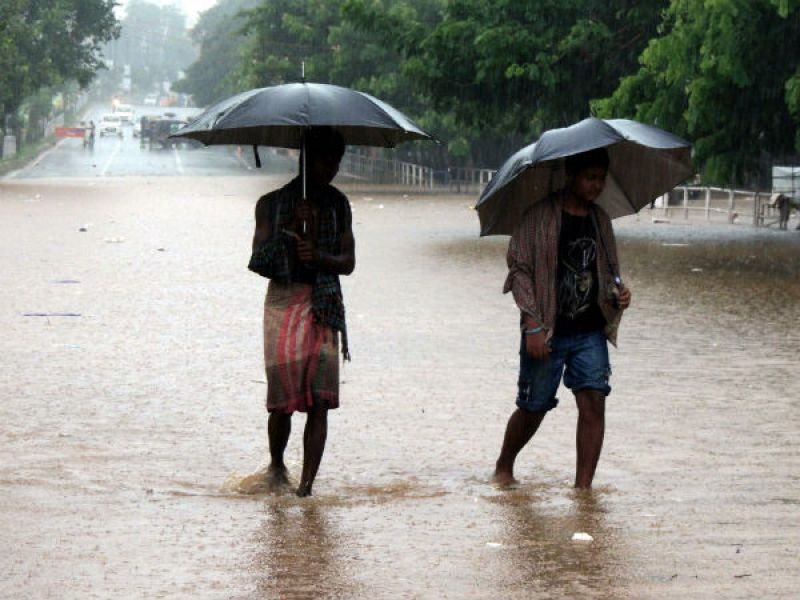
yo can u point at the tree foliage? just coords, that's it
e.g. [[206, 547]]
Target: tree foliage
[[154, 43], [724, 74], [47, 42], [508, 69], [487, 76], [217, 72]]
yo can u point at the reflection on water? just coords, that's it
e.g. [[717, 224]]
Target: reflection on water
[[298, 553], [540, 555]]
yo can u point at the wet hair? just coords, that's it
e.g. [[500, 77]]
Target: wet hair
[[586, 160], [324, 139]]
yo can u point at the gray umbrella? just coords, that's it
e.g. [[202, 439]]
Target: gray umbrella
[[279, 115], [646, 162]]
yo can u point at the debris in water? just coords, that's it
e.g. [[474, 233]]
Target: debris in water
[[493, 545], [65, 281], [52, 314], [582, 537], [697, 270]]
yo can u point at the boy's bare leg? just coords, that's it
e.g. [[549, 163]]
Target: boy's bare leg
[[314, 437], [589, 436], [279, 426], [520, 429]]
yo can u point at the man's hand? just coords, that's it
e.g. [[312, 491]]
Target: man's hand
[[624, 299], [536, 345], [307, 252]]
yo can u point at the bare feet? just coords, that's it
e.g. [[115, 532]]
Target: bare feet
[[277, 478], [504, 479], [304, 490]]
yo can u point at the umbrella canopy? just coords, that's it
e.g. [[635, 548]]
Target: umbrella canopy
[[279, 115], [646, 162]]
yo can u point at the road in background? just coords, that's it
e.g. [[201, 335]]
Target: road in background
[[115, 157]]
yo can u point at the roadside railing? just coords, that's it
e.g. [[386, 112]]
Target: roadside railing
[[371, 169], [362, 168], [710, 204], [714, 204]]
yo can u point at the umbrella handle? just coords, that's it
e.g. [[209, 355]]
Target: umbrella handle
[[304, 223]]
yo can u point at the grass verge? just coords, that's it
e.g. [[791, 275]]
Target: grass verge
[[28, 153]]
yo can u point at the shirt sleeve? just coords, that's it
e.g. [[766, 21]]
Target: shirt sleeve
[[521, 271]]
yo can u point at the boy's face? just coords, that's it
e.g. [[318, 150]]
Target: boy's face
[[588, 183]]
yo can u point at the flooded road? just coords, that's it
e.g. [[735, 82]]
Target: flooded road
[[132, 389]]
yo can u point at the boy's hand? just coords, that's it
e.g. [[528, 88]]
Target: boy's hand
[[624, 299], [536, 345]]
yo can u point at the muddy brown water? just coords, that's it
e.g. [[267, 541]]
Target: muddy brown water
[[126, 431]]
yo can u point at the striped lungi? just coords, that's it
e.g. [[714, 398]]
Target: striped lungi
[[301, 356]]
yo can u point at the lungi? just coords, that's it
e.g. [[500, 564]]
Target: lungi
[[301, 357]]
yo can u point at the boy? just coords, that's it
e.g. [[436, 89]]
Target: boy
[[562, 263]]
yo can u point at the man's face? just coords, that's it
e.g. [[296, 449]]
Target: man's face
[[588, 183], [323, 165]]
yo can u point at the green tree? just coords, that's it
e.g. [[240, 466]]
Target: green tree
[[725, 74], [154, 43], [48, 42], [217, 72], [508, 69], [284, 35]]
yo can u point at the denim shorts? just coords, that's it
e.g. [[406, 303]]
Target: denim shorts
[[583, 361]]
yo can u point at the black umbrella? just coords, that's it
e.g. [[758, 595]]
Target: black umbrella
[[646, 162], [279, 115]]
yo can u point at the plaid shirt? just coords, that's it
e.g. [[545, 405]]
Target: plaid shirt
[[533, 264]]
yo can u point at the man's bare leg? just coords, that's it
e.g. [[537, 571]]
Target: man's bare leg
[[279, 426], [589, 435], [520, 429], [314, 437]]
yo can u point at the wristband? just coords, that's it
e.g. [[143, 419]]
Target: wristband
[[533, 331]]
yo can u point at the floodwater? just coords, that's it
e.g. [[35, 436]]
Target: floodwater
[[133, 409]]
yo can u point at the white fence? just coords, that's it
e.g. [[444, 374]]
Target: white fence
[[370, 169], [715, 204], [711, 204], [382, 171]]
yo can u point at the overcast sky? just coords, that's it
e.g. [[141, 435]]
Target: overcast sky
[[191, 8]]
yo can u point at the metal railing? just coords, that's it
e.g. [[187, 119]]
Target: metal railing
[[714, 204], [361, 168], [371, 169]]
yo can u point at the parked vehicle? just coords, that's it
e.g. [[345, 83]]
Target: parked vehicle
[[156, 132], [126, 114], [151, 100], [110, 125]]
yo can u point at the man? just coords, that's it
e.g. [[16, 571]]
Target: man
[[562, 263], [303, 246], [784, 208]]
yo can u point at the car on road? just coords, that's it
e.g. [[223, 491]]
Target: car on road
[[126, 114], [110, 125]]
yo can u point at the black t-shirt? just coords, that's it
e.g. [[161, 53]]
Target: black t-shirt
[[578, 311]]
